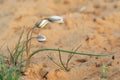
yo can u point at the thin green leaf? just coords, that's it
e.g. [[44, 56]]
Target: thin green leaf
[[55, 62], [18, 44], [61, 62], [20, 53], [71, 55], [67, 51], [1, 77], [11, 56]]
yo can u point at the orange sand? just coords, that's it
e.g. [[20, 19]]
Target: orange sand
[[95, 24]]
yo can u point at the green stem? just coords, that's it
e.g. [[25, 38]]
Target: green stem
[[55, 62], [67, 51], [71, 55], [28, 46], [28, 42], [62, 50], [61, 62]]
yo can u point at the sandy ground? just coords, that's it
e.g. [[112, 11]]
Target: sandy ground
[[93, 24]]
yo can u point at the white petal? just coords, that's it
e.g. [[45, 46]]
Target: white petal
[[41, 23], [57, 19], [41, 38]]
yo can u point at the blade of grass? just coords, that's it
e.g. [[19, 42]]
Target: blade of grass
[[28, 45], [55, 62], [11, 56], [16, 49], [20, 53], [61, 62], [21, 58], [3, 69], [103, 71], [71, 55], [18, 44]]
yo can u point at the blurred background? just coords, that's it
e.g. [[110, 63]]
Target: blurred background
[[95, 24]]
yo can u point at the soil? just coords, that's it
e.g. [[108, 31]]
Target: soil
[[94, 25]]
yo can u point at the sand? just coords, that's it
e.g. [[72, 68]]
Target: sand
[[93, 24]]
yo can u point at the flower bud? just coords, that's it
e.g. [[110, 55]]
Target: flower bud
[[57, 19], [41, 38], [41, 23]]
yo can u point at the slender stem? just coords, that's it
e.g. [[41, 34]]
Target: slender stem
[[30, 39], [28, 60], [60, 58], [28, 45], [28, 42], [55, 62], [71, 55], [67, 51], [62, 50]]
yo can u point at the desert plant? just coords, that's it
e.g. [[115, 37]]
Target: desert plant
[[16, 55], [40, 24], [63, 50], [103, 71], [11, 68], [71, 55], [62, 65], [8, 72]]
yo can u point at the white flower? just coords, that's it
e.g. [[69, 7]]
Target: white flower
[[41, 23], [57, 19], [41, 38]]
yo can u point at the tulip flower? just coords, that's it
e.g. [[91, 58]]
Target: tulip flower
[[41, 23], [41, 38], [57, 19]]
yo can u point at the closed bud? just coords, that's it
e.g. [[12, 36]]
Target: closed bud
[[57, 19], [41, 23], [41, 38]]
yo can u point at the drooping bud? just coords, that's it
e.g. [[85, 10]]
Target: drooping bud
[[41, 23], [41, 38], [57, 19]]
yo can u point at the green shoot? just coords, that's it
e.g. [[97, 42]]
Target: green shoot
[[103, 71]]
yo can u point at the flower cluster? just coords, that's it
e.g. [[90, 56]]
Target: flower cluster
[[43, 22]]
